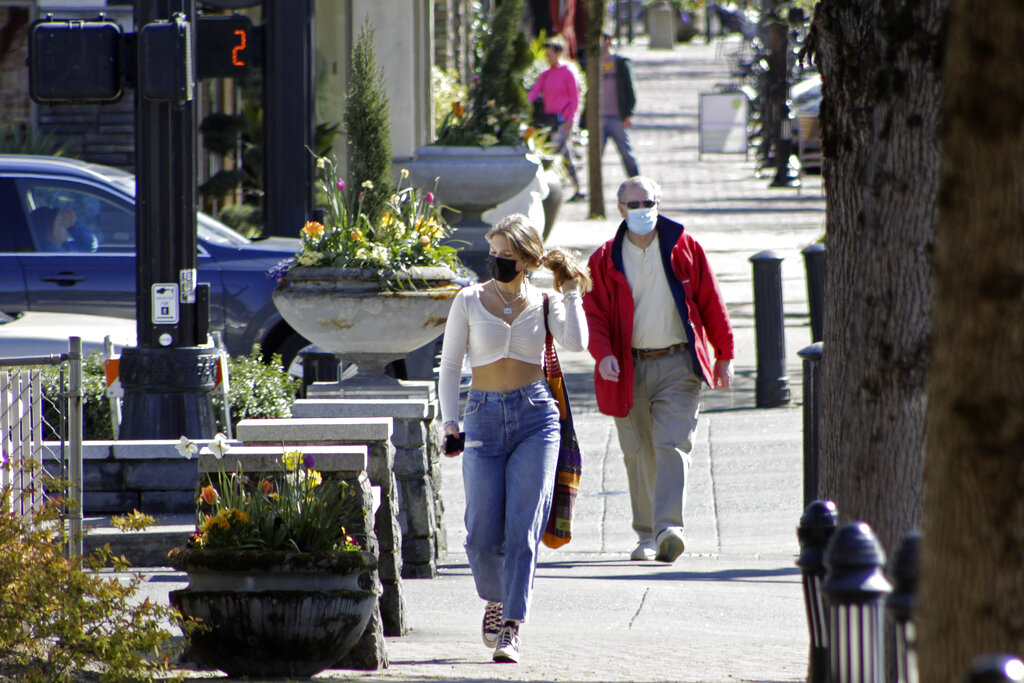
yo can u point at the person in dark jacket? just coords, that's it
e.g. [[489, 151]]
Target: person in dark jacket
[[654, 308], [618, 101]]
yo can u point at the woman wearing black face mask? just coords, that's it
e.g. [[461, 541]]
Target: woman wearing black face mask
[[511, 418]]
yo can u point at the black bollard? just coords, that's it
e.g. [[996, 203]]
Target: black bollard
[[811, 356], [855, 588], [995, 668], [900, 607], [817, 525], [814, 265], [772, 385]]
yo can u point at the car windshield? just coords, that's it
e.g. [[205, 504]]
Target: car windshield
[[208, 228]]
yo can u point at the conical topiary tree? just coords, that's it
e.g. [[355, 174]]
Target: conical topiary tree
[[368, 127]]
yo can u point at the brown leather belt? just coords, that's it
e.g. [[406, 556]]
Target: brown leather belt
[[651, 354]]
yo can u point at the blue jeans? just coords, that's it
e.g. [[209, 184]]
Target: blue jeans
[[612, 127], [508, 469]]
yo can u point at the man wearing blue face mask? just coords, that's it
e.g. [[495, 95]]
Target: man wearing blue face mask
[[653, 312]]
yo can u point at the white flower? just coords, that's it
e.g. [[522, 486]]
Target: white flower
[[186, 447], [308, 258], [405, 173], [218, 447], [368, 184], [488, 140]]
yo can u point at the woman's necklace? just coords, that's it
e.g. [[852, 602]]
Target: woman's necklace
[[508, 302]]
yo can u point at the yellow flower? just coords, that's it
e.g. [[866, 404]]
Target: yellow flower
[[292, 459], [321, 162], [308, 258], [405, 173], [313, 479], [424, 239], [368, 184], [241, 515], [312, 229]]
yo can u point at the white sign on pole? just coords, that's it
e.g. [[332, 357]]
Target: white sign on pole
[[165, 303], [723, 123]]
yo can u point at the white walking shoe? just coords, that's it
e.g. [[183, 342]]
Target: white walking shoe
[[670, 545], [644, 550]]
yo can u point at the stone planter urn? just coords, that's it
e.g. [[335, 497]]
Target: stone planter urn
[[347, 312], [472, 180], [272, 614]]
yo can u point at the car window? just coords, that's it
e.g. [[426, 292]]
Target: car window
[[76, 218]]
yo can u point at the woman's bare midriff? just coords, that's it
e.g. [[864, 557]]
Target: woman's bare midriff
[[505, 375]]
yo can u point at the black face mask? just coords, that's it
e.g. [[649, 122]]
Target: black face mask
[[501, 269]]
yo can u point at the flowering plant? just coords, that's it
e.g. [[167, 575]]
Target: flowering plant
[[408, 233], [295, 509]]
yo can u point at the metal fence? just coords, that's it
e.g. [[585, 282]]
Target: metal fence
[[41, 435]]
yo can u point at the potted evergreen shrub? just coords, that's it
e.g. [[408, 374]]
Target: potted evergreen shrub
[[374, 279], [480, 158]]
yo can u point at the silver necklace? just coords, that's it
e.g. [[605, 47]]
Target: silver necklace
[[508, 302]]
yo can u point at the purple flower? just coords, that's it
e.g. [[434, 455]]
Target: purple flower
[[430, 198], [308, 461], [341, 185], [279, 269]]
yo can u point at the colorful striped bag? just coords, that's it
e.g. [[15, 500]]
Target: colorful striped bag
[[570, 463]]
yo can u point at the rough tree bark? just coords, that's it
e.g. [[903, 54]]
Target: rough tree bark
[[972, 552], [880, 65]]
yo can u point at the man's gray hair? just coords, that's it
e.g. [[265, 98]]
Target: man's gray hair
[[649, 184]]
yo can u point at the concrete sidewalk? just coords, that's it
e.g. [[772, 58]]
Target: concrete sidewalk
[[730, 608]]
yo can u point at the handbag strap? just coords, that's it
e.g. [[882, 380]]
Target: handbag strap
[[552, 369]]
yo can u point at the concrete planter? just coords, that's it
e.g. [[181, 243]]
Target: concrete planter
[[346, 312], [273, 614]]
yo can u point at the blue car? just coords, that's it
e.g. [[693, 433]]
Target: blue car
[[67, 245]]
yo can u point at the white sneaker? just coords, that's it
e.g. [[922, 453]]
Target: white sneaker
[[492, 624], [670, 545], [508, 644], [644, 550]]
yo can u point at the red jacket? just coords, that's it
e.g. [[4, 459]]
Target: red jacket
[[609, 309]]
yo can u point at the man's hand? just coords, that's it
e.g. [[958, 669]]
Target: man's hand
[[608, 368], [723, 373], [627, 122]]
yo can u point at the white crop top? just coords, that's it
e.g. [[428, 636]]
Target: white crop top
[[489, 338]]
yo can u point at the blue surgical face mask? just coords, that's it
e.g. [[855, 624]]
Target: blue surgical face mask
[[642, 221]]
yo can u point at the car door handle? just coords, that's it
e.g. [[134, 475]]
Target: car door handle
[[64, 279]]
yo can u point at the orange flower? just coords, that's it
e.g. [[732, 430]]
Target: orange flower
[[458, 109], [312, 229], [266, 487], [209, 495]]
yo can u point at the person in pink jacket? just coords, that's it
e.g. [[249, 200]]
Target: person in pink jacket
[[653, 312], [561, 94]]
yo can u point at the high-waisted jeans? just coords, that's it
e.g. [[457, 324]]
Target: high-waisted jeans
[[508, 468]]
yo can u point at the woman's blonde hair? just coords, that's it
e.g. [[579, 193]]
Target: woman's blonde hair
[[524, 240]]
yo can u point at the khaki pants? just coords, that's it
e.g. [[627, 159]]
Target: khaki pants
[[656, 440]]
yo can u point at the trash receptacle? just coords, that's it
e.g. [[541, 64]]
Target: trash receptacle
[[661, 26]]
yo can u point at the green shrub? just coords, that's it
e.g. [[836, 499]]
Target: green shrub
[[255, 390], [63, 620]]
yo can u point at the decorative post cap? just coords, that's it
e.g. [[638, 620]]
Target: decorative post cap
[[904, 575], [854, 560], [817, 525], [995, 668]]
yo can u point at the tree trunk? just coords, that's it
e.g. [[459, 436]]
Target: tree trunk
[[879, 61], [972, 553]]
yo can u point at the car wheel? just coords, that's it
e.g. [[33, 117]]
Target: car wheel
[[289, 350]]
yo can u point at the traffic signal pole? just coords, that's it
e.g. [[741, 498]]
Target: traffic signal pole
[[168, 377]]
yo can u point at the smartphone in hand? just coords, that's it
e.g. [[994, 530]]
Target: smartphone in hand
[[454, 444]]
